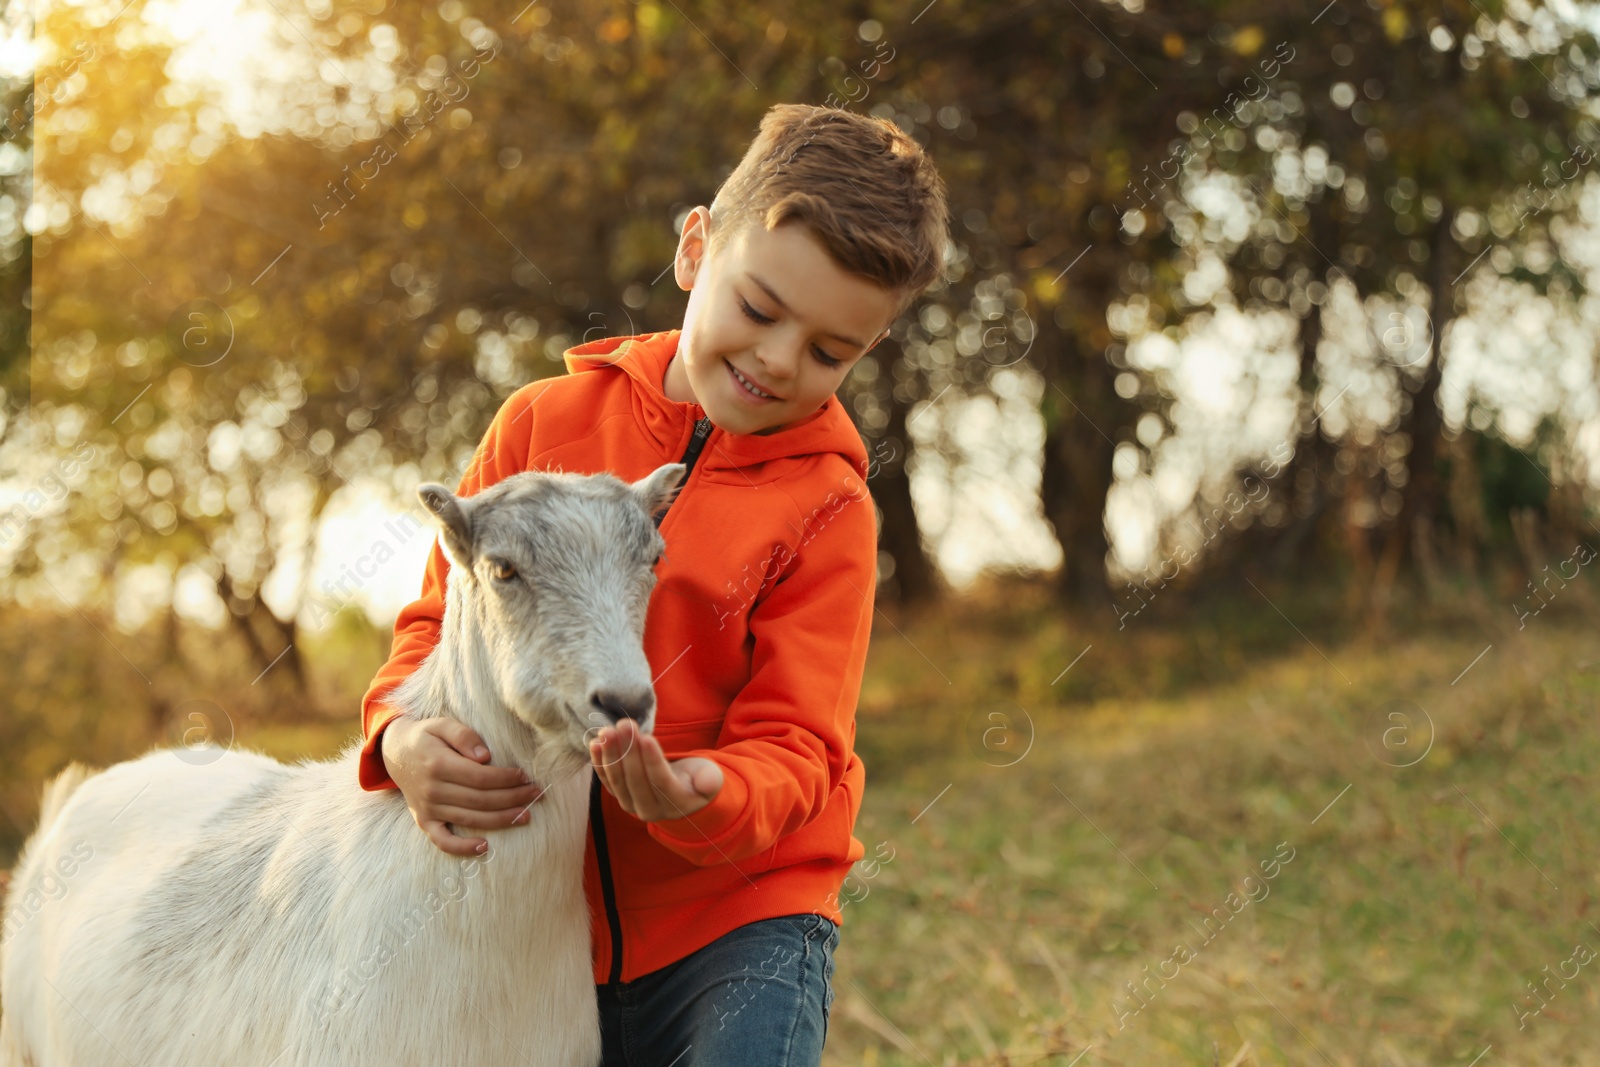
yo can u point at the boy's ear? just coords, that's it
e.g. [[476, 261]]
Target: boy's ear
[[450, 514], [692, 246], [659, 488]]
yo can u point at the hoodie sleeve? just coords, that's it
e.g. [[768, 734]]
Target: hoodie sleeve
[[787, 737], [503, 451]]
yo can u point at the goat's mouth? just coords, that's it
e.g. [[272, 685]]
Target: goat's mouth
[[558, 727], [591, 724]]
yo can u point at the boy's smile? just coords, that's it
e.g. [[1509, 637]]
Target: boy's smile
[[770, 313]]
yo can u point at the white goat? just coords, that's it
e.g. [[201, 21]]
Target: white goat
[[202, 907]]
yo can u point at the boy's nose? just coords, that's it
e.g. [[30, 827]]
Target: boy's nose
[[618, 704], [778, 363]]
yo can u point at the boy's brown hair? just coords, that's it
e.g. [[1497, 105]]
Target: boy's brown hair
[[866, 189]]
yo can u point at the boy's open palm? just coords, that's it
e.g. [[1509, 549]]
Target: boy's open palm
[[441, 767], [646, 784]]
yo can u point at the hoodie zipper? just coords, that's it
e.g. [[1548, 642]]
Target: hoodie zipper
[[702, 430], [608, 889]]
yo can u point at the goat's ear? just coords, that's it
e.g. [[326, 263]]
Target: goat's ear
[[455, 528], [660, 487]]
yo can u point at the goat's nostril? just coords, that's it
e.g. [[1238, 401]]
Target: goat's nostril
[[618, 704]]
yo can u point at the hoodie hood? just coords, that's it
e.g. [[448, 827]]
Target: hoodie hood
[[644, 358]]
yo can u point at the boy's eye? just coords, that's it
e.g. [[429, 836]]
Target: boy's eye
[[755, 316], [752, 314]]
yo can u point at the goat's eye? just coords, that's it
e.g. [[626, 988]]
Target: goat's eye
[[503, 570]]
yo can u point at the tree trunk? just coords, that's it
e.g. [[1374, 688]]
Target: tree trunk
[[1305, 484], [242, 611], [914, 581], [1076, 472], [1469, 524], [1306, 479], [1411, 536]]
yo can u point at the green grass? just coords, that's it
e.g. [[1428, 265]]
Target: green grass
[[1415, 908], [1026, 890]]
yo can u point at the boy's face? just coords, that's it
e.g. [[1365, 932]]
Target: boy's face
[[774, 306]]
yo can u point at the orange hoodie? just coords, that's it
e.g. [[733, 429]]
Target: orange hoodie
[[756, 635]]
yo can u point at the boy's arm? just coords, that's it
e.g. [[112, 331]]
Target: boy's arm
[[789, 734], [503, 451]]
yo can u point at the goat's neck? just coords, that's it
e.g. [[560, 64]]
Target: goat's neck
[[457, 680]]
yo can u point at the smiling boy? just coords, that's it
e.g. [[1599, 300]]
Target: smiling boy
[[724, 827]]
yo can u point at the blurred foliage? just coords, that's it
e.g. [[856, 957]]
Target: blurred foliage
[[427, 204], [227, 315]]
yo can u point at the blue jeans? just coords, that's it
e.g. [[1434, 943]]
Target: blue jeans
[[758, 996]]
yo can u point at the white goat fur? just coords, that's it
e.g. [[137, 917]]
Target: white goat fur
[[205, 906]]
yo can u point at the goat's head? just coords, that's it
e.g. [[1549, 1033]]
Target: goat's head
[[559, 569]]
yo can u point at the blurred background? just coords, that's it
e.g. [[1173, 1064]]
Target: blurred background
[[1236, 489]]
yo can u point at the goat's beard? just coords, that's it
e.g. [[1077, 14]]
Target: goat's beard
[[559, 733]]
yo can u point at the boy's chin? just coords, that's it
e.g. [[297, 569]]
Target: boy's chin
[[744, 422], [763, 427]]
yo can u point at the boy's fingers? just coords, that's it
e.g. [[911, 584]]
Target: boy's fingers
[[445, 763], [706, 778], [610, 772], [662, 777], [618, 784], [449, 842], [465, 819], [603, 753], [641, 786], [614, 747], [459, 736], [479, 800], [463, 772]]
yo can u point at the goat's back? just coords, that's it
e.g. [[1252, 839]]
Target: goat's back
[[104, 842], [207, 906]]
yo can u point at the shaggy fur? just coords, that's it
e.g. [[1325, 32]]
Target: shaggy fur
[[205, 906]]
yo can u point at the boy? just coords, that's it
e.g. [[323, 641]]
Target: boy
[[720, 839]]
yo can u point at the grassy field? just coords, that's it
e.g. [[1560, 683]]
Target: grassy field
[[1433, 787], [1405, 819]]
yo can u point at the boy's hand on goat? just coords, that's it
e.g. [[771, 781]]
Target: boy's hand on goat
[[440, 765], [646, 784]]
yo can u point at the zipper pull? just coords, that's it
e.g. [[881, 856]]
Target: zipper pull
[[702, 430]]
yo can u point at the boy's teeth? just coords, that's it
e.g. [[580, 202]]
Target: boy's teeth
[[749, 386]]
